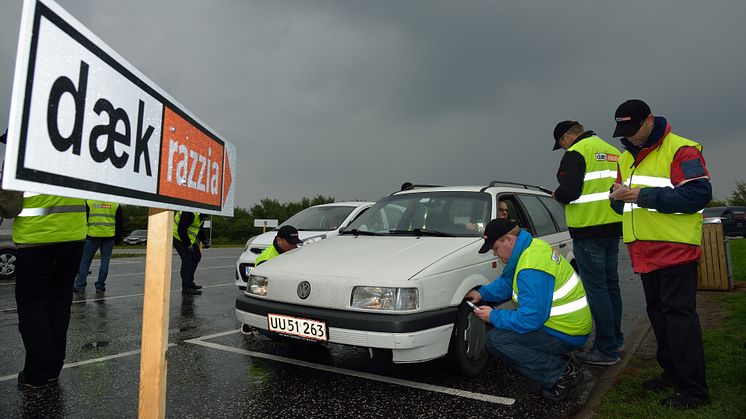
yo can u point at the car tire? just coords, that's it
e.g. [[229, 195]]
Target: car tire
[[467, 351], [7, 263]]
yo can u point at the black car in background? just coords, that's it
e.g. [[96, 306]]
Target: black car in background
[[136, 237], [732, 218]]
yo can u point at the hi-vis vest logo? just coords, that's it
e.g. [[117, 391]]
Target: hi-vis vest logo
[[84, 119], [607, 157]]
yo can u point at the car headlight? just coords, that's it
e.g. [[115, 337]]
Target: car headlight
[[257, 284], [385, 298]]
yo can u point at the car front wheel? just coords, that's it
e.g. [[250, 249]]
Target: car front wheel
[[7, 263], [467, 350]]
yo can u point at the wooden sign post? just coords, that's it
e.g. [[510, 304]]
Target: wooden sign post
[[85, 123]]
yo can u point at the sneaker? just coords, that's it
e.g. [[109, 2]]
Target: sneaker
[[566, 383], [101, 290], [30, 384], [596, 357], [621, 348], [684, 402], [656, 384], [191, 291], [197, 287]]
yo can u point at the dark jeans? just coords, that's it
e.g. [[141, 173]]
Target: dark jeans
[[597, 262], [538, 355], [44, 282], [670, 295], [190, 257], [92, 244]]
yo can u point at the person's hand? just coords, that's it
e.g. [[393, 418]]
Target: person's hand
[[624, 193], [206, 245], [474, 296], [483, 312]]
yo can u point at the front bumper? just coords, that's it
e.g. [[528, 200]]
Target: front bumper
[[414, 337]]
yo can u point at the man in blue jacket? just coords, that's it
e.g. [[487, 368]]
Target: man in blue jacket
[[552, 318]]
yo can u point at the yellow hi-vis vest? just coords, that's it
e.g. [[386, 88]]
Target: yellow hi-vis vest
[[49, 219], [266, 255], [592, 208], [192, 230], [101, 218], [570, 313], [655, 171]]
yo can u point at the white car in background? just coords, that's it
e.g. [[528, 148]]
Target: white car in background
[[395, 279], [313, 224]]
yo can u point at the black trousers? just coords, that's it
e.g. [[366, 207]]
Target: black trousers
[[670, 294], [190, 257], [44, 292]]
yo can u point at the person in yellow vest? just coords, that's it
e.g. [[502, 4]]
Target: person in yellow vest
[[552, 319], [585, 175], [662, 186], [104, 229], [188, 235], [286, 239], [49, 232]]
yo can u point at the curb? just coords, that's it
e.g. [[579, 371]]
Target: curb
[[607, 379]]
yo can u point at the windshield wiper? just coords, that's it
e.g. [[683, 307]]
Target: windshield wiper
[[418, 232], [357, 232]]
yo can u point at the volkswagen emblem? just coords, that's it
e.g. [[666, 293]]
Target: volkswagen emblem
[[304, 290]]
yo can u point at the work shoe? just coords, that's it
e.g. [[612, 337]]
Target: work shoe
[[656, 384], [191, 291], [684, 402], [566, 383], [197, 287], [101, 290], [23, 382], [596, 357]]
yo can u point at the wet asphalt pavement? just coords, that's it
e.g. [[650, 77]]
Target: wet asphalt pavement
[[215, 371]]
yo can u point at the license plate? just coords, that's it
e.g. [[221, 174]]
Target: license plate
[[248, 270], [298, 327]]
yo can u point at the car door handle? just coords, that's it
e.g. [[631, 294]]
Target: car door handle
[[562, 245]]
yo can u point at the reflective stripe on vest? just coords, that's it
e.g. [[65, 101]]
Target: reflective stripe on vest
[[101, 218], [49, 219], [192, 230], [570, 313], [655, 171], [592, 208]]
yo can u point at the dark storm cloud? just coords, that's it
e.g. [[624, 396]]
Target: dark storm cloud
[[351, 98]]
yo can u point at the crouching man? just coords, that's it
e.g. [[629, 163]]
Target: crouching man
[[552, 318]]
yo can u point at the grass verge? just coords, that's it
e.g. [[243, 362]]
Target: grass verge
[[724, 339]]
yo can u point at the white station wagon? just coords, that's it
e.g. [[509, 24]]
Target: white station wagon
[[395, 279]]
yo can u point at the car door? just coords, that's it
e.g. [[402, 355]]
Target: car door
[[547, 220]]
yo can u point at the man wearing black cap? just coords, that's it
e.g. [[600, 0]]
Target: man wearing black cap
[[286, 239], [552, 318], [662, 184], [585, 175]]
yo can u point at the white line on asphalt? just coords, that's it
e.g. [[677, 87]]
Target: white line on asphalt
[[88, 361], [117, 297], [359, 374]]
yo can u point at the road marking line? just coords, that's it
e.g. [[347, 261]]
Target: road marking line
[[364, 375], [88, 361], [93, 300]]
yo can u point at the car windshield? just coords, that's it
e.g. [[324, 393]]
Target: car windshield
[[326, 218], [440, 214], [139, 233]]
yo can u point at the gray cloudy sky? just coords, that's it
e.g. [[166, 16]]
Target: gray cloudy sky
[[352, 98]]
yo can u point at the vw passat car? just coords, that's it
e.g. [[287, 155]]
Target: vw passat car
[[313, 224], [395, 279]]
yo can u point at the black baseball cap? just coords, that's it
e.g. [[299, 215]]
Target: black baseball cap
[[629, 117], [289, 233], [560, 130], [494, 230]]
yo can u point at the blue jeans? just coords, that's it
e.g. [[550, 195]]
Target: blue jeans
[[538, 355], [92, 244], [597, 261]]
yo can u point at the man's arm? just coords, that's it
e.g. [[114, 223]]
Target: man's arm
[[570, 176], [118, 225], [497, 291], [534, 303], [184, 222], [692, 189]]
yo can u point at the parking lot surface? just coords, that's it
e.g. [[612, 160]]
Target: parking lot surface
[[215, 371]]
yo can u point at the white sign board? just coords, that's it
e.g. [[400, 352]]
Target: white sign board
[[85, 123], [258, 222]]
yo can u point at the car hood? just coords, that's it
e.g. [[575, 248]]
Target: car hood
[[382, 259], [265, 239]]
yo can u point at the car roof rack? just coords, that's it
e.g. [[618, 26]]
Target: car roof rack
[[408, 186], [521, 185]]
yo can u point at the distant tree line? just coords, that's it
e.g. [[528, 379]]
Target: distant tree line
[[737, 197], [240, 227]]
